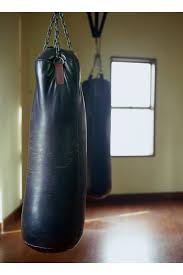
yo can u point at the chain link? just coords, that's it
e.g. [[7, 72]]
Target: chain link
[[48, 35], [56, 35], [67, 36], [54, 23]]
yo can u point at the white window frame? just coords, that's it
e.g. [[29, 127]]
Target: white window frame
[[153, 63]]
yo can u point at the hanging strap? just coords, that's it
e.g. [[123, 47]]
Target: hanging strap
[[56, 19], [96, 28], [97, 64]]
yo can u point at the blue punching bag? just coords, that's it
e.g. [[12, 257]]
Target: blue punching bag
[[97, 96]]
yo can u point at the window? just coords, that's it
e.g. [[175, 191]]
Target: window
[[132, 114]]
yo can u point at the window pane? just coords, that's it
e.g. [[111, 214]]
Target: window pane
[[131, 84], [132, 132]]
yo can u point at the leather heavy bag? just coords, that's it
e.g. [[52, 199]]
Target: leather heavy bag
[[97, 97], [54, 203]]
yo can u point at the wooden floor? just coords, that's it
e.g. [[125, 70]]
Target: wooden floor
[[137, 232]]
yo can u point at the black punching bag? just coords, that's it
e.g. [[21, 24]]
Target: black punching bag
[[54, 203], [97, 96]]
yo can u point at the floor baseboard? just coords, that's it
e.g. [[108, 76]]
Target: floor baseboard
[[137, 198], [111, 199], [12, 218]]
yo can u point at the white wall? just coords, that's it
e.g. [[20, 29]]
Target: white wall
[[10, 104]]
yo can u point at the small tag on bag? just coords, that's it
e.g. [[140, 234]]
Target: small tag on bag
[[59, 73]]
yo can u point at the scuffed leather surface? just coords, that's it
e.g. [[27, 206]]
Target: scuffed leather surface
[[54, 202], [97, 98]]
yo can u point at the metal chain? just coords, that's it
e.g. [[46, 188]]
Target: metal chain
[[48, 35], [54, 22], [56, 34], [67, 36]]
